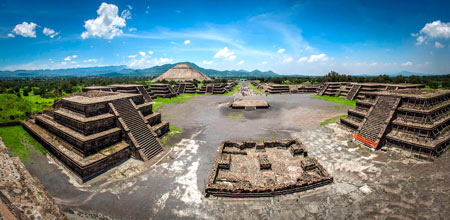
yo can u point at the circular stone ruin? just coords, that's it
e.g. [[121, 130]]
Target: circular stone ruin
[[249, 104]]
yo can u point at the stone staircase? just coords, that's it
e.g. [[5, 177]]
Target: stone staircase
[[324, 88], [209, 89], [144, 93], [374, 125], [353, 91], [146, 142], [181, 88]]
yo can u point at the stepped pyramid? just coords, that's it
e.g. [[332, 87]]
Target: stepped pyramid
[[92, 131], [182, 72]]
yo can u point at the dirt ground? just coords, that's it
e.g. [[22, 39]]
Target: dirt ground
[[368, 185]]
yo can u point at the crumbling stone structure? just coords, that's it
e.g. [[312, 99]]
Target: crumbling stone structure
[[217, 88], [186, 87], [123, 88], [161, 90], [92, 131], [286, 89], [351, 90], [250, 169], [412, 119]]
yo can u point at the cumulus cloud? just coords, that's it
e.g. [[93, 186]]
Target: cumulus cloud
[[144, 62], [126, 14], [25, 29], [314, 58], [281, 50], [11, 35], [241, 62], [150, 52], [408, 63], [438, 45], [287, 59], [49, 32], [107, 25], [69, 58], [132, 56], [90, 61], [303, 59], [225, 54], [187, 42], [318, 58], [435, 29], [205, 62], [142, 53]]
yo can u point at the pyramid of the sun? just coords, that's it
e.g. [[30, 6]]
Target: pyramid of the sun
[[182, 72]]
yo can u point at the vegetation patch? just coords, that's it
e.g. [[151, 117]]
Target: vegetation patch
[[19, 142], [174, 132], [236, 115], [338, 100], [332, 120], [160, 102], [255, 89]]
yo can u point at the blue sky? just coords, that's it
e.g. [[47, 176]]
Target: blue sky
[[287, 37]]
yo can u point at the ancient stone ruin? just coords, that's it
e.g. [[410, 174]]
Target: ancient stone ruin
[[249, 104], [217, 88], [417, 120], [182, 72], [92, 131], [123, 88], [285, 89], [351, 90], [251, 169], [161, 90], [185, 87]]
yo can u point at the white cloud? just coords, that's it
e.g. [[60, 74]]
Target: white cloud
[[205, 62], [130, 7], [287, 59], [74, 56], [435, 29], [241, 62], [90, 61], [145, 62], [150, 52], [69, 58], [107, 25], [25, 29], [132, 29], [226, 54], [63, 63], [49, 32], [126, 14], [302, 59], [281, 50], [438, 45], [318, 58], [142, 53], [408, 63], [187, 42], [132, 56], [11, 35], [264, 63]]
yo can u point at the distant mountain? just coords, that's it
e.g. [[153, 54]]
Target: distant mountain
[[85, 71], [402, 73], [125, 71]]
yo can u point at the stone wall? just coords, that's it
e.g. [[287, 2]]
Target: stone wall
[[22, 195]]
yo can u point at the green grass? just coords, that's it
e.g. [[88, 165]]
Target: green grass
[[160, 102], [332, 120], [236, 115], [338, 100], [13, 108], [174, 132], [19, 142], [255, 89]]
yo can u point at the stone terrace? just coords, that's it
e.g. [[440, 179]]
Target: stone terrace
[[419, 122], [250, 169]]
